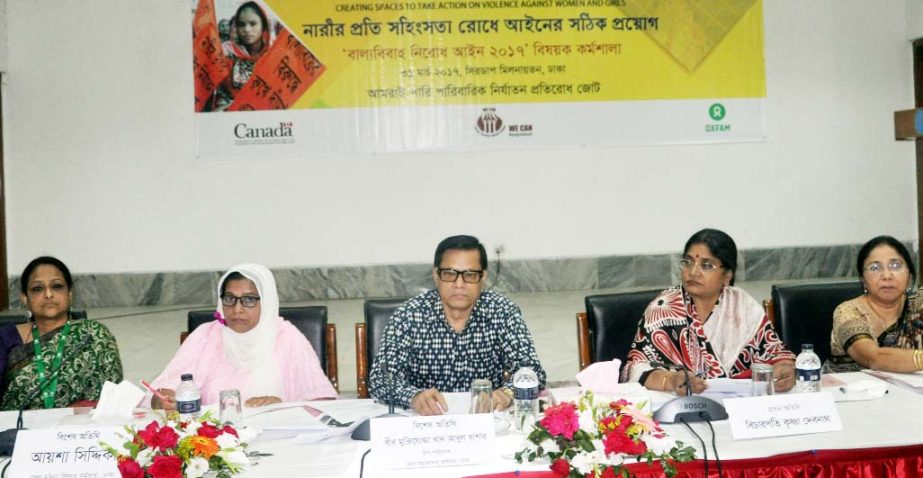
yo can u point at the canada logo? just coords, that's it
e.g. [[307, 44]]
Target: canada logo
[[489, 124]]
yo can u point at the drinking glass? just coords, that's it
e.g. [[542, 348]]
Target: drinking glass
[[229, 409], [482, 396], [762, 379]]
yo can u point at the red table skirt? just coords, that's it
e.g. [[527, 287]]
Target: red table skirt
[[905, 461]]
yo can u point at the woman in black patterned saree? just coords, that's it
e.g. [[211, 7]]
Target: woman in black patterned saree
[[84, 351]]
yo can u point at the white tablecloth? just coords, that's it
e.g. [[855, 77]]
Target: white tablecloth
[[893, 420]]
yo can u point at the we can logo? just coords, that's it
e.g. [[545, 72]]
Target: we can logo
[[489, 123]]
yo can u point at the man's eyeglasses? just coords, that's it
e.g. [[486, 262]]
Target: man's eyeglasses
[[451, 275], [706, 266], [248, 301], [895, 266]]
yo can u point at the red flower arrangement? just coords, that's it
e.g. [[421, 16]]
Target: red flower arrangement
[[180, 449], [589, 440]]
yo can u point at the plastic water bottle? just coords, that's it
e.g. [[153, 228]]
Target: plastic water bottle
[[525, 398], [188, 398], [807, 366]]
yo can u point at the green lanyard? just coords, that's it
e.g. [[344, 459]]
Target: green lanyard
[[49, 391]]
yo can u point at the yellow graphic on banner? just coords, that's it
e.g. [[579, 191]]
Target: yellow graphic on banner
[[700, 25], [434, 53]]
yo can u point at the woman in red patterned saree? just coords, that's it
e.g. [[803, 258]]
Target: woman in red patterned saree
[[706, 325]]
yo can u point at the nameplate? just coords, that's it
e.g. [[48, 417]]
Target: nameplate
[[782, 415], [423, 442], [65, 452]]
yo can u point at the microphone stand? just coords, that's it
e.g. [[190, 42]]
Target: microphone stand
[[689, 408], [363, 431], [8, 437]]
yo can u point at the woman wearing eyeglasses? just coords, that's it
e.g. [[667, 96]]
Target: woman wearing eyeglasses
[[883, 328], [706, 326], [248, 348]]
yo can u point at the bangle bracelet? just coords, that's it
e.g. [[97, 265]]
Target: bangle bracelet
[[663, 384]]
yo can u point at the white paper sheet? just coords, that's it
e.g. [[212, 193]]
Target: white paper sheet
[[351, 410], [292, 418], [719, 389], [910, 379]]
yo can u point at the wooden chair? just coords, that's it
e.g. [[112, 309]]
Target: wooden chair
[[310, 320], [803, 313], [368, 337], [607, 328]]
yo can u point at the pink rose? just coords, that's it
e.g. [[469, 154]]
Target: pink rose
[[561, 420]]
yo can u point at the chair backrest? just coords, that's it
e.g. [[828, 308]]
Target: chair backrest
[[369, 335], [13, 318], [613, 321], [804, 312], [310, 320]]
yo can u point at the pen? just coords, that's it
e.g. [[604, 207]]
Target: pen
[[843, 389], [155, 392], [439, 406]]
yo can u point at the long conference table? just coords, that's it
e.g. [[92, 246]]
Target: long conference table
[[880, 437]]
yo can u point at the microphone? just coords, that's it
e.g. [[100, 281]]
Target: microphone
[[8, 437], [689, 408], [363, 431]]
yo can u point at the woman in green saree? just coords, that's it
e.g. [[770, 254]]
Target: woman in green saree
[[83, 352]]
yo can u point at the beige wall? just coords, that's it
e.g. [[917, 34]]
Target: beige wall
[[101, 171]]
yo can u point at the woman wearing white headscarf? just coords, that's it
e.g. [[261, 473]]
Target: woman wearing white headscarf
[[249, 348]]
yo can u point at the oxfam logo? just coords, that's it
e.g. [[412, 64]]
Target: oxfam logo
[[717, 111]]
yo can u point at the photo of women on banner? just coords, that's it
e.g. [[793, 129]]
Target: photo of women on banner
[[381, 76], [260, 65]]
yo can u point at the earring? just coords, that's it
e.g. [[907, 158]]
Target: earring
[[70, 312], [28, 315]]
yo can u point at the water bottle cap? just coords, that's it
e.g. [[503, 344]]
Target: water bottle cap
[[807, 346], [186, 376]]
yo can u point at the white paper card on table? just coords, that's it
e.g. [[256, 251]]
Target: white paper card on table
[[601, 377], [66, 452], [782, 415], [436, 441], [117, 402]]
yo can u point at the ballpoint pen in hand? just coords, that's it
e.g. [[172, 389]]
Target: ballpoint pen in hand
[[155, 392]]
